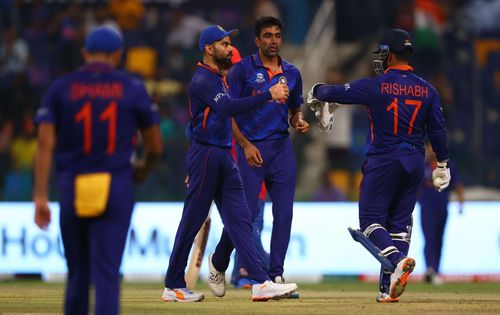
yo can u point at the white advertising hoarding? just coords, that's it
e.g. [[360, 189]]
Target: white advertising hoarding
[[319, 245]]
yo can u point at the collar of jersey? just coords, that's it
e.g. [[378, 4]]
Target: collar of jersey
[[207, 67], [256, 59], [400, 67], [97, 67]]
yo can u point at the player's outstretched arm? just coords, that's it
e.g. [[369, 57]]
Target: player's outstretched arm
[[43, 162]]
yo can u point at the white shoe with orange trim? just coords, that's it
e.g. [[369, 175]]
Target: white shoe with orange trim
[[383, 297], [181, 295], [399, 278], [270, 290], [293, 295]]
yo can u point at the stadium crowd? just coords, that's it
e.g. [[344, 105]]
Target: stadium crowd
[[458, 51]]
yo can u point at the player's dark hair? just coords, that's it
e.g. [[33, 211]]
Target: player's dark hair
[[404, 55], [267, 21]]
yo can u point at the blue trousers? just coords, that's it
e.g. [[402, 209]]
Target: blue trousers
[[388, 193], [434, 216], [94, 247], [279, 173], [388, 190], [214, 176], [257, 226]]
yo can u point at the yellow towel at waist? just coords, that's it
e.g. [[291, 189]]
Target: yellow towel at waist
[[91, 194]]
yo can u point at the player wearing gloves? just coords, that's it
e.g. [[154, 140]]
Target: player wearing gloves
[[322, 110], [402, 109]]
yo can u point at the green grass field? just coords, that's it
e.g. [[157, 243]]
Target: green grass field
[[329, 297]]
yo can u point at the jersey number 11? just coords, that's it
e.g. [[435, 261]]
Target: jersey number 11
[[84, 115]]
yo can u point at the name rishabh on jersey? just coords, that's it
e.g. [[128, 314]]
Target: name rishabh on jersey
[[402, 108]]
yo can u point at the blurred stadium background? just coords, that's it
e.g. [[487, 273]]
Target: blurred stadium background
[[457, 50]]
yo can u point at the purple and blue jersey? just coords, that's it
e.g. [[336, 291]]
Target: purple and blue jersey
[[211, 107], [96, 100], [250, 77], [402, 108]]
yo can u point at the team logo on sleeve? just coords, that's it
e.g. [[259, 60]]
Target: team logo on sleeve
[[260, 78], [218, 97], [283, 80], [347, 86]]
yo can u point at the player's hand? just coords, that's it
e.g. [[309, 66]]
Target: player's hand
[[301, 125], [323, 111], [441, 176], [279, 91], [311, 100], [42, 213], [186, 181], [139, 171], [253, 156]]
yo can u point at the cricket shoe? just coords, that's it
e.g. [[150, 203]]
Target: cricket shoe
[[181, 295], [269, 290], [216, 279], [383, 297], [281, 280], [399, 278]]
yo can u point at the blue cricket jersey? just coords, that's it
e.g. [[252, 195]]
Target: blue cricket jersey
[[402, 107], [211, 108], [251, 77], [96, 111]]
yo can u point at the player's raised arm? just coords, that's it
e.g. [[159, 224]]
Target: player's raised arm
[[223, 104]]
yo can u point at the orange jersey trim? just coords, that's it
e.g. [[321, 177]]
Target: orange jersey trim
[[400, 67], [206, 112]]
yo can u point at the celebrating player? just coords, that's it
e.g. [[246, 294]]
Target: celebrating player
[[265, 151], [90, 119], [402, 108], [213, 174]]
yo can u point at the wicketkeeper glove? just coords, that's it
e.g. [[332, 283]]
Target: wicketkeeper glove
[[441, 176], [322, 110]]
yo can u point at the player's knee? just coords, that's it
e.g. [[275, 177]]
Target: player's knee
[[401, 237], [372, 228]]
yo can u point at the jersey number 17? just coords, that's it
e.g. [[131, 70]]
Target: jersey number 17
[[394, 107]]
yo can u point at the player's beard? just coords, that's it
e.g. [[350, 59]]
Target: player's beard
[[224, 62]]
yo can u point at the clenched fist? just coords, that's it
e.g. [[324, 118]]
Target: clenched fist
[[279, 91]]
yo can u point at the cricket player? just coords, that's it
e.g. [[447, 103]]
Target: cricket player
[[402, 108], [264, 152], [213, 174], [434, 213], [89, 120]]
